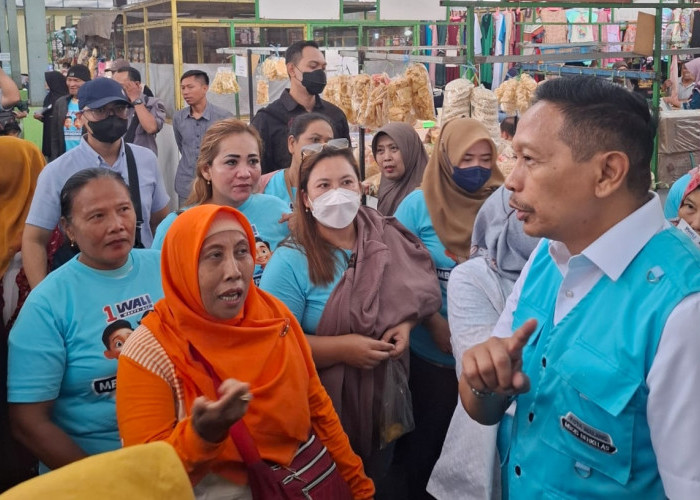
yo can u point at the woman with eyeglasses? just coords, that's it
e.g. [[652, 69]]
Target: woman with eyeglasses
[[305, 129], [357, 282], [459, 177], [228, 173], [63, 349]]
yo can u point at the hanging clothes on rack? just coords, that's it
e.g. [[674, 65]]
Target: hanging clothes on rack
[[695, 36], [476, 36], [452, 70], [517, 28], [554, 33], [440, 68], [499, 29], [580, 33], [486, 48]]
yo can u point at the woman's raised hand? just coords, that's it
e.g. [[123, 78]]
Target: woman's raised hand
[[212, 419]]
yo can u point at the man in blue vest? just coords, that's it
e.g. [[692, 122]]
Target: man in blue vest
[[599, 343]]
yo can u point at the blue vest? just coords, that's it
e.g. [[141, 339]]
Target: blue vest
[[582, 431]]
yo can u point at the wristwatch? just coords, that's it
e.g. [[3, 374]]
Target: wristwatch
[[136, 102]]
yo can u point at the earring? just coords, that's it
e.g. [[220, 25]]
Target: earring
[[72, 244], [208, 182], [307, 210]]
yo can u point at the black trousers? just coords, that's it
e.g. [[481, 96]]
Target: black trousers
[[435, 394]]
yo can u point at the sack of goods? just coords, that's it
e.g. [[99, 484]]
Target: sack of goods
[[485, 110], [457, 99]]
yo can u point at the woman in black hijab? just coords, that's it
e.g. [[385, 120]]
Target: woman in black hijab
[[56, 84]]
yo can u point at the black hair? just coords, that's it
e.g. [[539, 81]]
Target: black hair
[[77, 182], [134, 74], [198, 75], [293, 53], [302, 122], [113, 327], [10, 127], [600, 116], [509, 125]]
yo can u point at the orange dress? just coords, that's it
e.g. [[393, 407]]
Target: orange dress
[[157, 380]]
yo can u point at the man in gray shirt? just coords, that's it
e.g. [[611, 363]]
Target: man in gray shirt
[[147, 115], [190, 124]]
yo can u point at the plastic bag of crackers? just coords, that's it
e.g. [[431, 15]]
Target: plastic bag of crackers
[[274, 68], [224, 82]]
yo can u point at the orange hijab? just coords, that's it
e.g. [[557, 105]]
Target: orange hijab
[[252, 347], [452, 209], [21, 163]]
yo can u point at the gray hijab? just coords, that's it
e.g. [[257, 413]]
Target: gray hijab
[[414, 158], [498, 236]]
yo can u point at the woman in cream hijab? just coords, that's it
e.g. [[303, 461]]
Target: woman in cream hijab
[[459, 177]]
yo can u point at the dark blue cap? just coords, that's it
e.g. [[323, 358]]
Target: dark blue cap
[[100, 91]]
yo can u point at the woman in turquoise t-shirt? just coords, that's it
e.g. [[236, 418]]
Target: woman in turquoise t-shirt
[[228, 173], [309, 128], [460, 175], [357, 282], [64, 347]]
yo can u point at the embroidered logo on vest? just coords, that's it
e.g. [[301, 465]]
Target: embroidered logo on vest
[[587, 434]]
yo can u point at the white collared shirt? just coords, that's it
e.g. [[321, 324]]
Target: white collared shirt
[[673, 408]]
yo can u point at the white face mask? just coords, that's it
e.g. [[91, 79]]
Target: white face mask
[[336, 208]]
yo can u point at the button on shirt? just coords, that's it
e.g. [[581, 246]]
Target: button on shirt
[[188, 135], [45, 210], [673, 408], [273, 123]]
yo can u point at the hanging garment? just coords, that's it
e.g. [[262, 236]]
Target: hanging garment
[[580, 32], [440, 68], [695, 36], [554, 33], [452, 70], [486, 46], [476, 36]]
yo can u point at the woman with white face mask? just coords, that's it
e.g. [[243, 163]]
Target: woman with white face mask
[[357, 282]]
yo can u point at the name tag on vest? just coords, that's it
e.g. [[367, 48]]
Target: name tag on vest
[[587, 434]]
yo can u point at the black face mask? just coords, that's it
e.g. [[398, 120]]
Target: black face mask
[[314, 81], [109, 130]]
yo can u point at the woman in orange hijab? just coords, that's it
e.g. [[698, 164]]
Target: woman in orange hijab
[[250, 340]]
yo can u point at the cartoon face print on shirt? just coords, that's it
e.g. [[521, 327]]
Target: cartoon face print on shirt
[[114, 337], [262, 252]]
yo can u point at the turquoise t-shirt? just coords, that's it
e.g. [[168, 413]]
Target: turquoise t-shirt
[[286, 277], [59, 350], [278, 188], [412, 212], [262, 211], [72, 133], [675, 196]]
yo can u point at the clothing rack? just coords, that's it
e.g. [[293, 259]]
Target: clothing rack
[[472, 5], [579, 70]]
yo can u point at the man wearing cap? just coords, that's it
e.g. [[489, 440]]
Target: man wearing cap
[[147, 115], [64, 134], [104, 109]]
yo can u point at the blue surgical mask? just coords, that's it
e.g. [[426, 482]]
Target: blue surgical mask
[[471, 179]]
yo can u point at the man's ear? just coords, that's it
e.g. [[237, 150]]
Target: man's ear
[[613, 169]]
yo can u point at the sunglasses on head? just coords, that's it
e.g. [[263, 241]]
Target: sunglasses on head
[[333, 144]]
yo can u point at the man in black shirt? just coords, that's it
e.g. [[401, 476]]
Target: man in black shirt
[[306, 67]]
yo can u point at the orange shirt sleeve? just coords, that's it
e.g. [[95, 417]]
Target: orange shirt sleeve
[[327, 426], [146, 412]]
